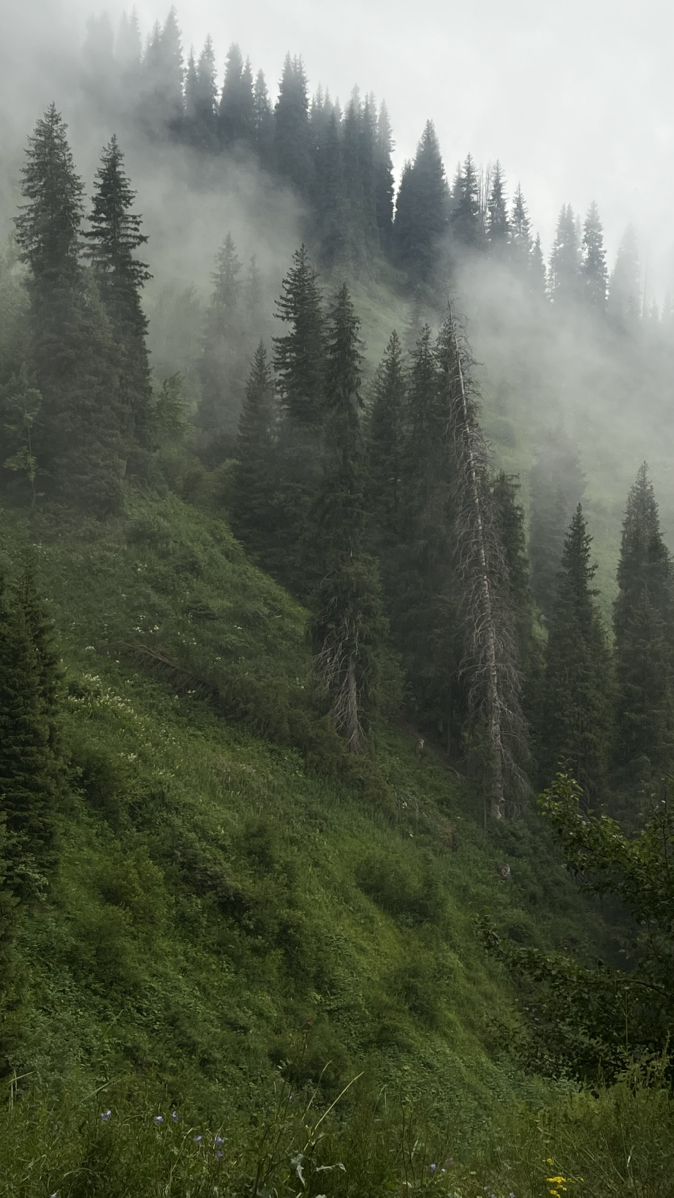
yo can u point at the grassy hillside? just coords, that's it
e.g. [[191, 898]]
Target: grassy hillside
[[240, 907]]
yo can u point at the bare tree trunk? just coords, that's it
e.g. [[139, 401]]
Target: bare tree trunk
[[494, 677]]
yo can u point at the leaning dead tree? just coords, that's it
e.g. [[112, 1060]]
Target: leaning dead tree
[[490, 662]]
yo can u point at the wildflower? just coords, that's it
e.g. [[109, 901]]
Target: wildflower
[[158, 1120], [219, 1141], [219, 1156], [433, 1168], [106, 1116], [198, 1139], [175, 1117]]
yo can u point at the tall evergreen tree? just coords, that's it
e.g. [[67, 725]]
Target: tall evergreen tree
[[557, 486], [509, 527], [113, 238], [201, 103], [520, 232], [644, 631], [565, 261], [422, 211], [225, 349], [236, 115], [384, 186], [624, 293], [593, 268], [263, 121], [498, 222], [252, 501], [386, 444], [574, 728], [76, 437], [292, 142], [162, 109], [466, 213], [347, 627]]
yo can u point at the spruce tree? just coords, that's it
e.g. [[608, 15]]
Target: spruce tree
[[520, 233], [644, 630], [624, 293], [76, 436], [252, 500], [236, 114], [292, 145], [466, 214], [347, 627], [225, 349], [329, 186], [510, 532], [565, 262], [263, 121], [498, 223], [201, 105], [386, 443], [384, 186], [593, 268], [574, 727], [113, 238], [557, 486], [422, 211]]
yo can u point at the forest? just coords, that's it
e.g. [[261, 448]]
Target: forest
[[336, 657]]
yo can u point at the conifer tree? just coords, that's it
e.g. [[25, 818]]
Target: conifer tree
[[624, 293], [386, 443], [509, 528], [292, 145], [252, 500], [222, 368], [201, 104], [76, 436], [329, 188], [496, 728], [565, 261], [347, 627], [113, 238], [236, 114], [520, 233], [263, 121], [422, 211], [644, 628], [466, 214], [162, 110], [384, 187], [537, 274], [498, 222], [593, 268], [557, 486], [574, 728]]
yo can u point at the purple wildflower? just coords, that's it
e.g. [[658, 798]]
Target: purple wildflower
[[219, 1141], [106, 1116], [219, 1156], [175, 1117], [198, 1139], [158, 1120]]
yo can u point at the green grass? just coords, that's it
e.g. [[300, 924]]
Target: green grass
[[238, 904]]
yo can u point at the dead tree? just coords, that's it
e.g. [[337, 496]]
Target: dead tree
[[490, 659]]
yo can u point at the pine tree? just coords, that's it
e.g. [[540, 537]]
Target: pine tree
[[236, 115], [520, 233], [496, 727], [565, 262], [329, 188], [252, 500], [422, 210], [201, 104], [509, 527], [162, 108], [574, 729], [76, 436], [292, 145], [225, 349], [113, 238], [557, 486], [386, 442], [593, 268], [498, 223], [384, 186], [644, 627], [347, 628], [624, 293], [466, 214], [263, 119]]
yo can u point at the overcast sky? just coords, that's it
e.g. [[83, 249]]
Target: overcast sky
[[576, 98]]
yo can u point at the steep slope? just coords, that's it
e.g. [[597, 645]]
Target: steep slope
[[235, 897]]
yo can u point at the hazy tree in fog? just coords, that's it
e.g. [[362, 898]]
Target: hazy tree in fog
[[386, 444], [112, 240], [565, 261], [624, 292], [422, 210], [263, 120], [292, 145], [226, 345], [384, 182], [236, 113], [251, 509], [557, 485], [467, 218], [498, 222], [593, 267], [643, 623], [162, 82], [574, 727], [329, 182], [201, 103]]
